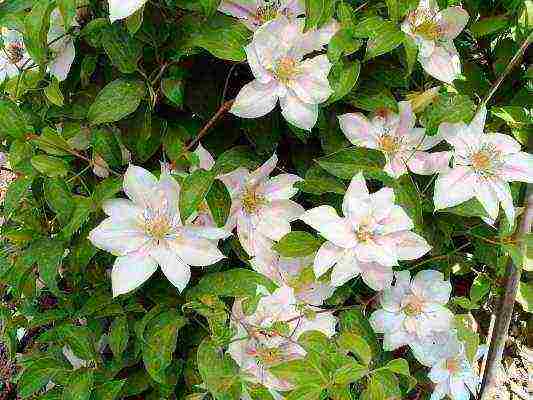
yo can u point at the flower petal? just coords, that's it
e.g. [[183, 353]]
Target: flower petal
[[423, 163], [120, 9], [518, 167], [131, 271], [325, 220], [206, 159], [505, 144], [410, 246], [327, 255], [431, 286], [311, 85], [443, 64], [139, 184], [118, 236], [359, 130], [255, 99], [397, 220], [280, 187], [263, 171], [407, 118], [376, 276], [383, 321], [273, 226], [503, 191], [122, 209], [488, 199], [176, 271], [346, 268], [356, 194], [260, 73], [395, 166], [454, 187], [287, 210], [298, 113], [452, 21], [194, 250], [61, 64]]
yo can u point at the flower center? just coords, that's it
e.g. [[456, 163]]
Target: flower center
[[286, 68], [363, 235], [267, 12], [203, 208], [481, 160], [389, 144], [270, 356], [14, 52], [453, 365], [413, 307], [428, 30], [251, 201], [157, 227]]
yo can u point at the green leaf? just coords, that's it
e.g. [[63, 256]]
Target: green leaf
[[348, 162], [349, 373], [174, 90], [106, 145], [48, 254], [394, 9], [80, 385], [209, 7], [53, 93], [106, 189], [525, 296], [355, 344], [490, 25], [135, 21], [52, 167], [480, 287], [8, 7], [194, 189], [12, 121], [161, 337], [36, 25], [117, 100], [297, 244], [218, 371], [465, 323], [52, 143], [109, 390], [398, 366], [354, 321], [67, 8], [384, 42], [470, 208], [308, 392], [447, 108], [80, 215], [342, 43], [411, 52], [219, 202], [343, 77], [230, 160], [318, 181], [38, 374], [88, 66], [16, 192], [123, 50], [118, 336], [318, 12]]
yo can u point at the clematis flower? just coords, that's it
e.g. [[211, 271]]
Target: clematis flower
[[368, 240], [276, 57], [483, 166], [262, 210], [433, 31], [296, 273], [62, 47], [14, 55], [413, 310], [146, 231], [396, 137], [120, 9], [254, 13], [269, 336]]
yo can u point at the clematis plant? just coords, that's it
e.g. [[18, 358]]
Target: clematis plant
[[395, 135], [120, 9], [296, 273], [371, 237], [433, 32], [262, 210], [269, 336], [13, 56], [254, 13], [62, 47], [413, 310], [276, 58], [483, 166], [146, 231]]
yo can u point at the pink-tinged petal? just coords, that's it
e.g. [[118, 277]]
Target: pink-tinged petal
[[488, 199], [382, 203], [347, 267], [298, 113], [439, 319], [376, 276], [518, 167], [287, 210], [503, 191], [458, 389], [311, 85], [242, 9], [194, 250], [440, 391], [118, 236], [273, 226], [323, 322], [395, 166], [383, 321], [425, 47], [131, 271], [458, 135], [280, 187], [327, 256], [317, 39], [454, 187], [235, 180], [452, 21], [356, 194], [407, 118], [61, 64], [122, 209], [206, 159], [397, 220], [275, 39], [176, 271], [505, 144], [425, 142], [292, 7], [395, 340], [359, 131], [255, 99], [382, 253], [439, 372], [138, 184], [208, 232], [258, 70], [120, 9], [477, 125], [430, 285], [410, 246], [423, 163], [325, 220], [267, 264], [262, 173], [443, 64], [251, 240]]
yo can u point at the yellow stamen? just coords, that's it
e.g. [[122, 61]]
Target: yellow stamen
[[389, 144], [157, 227], [251, 201]]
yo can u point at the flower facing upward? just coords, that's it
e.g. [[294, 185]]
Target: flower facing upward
[[62, 47], [261, 207], [120, 9], [276, 58], [433, 31], [146, 231], [258, 345], [13, 56], [483, 164], [397, 138], [413, 310], [254, 13], [371, 237]]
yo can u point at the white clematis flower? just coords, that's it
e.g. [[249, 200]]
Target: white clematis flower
[[395, 135], [371, 237], [254, 13], [120, 9], [433, 31], [13, 56], [62, 47], [262, 210], [276, 57], [258, 344], [146, 231], [483, 164], [296, 273], [413, 310]]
